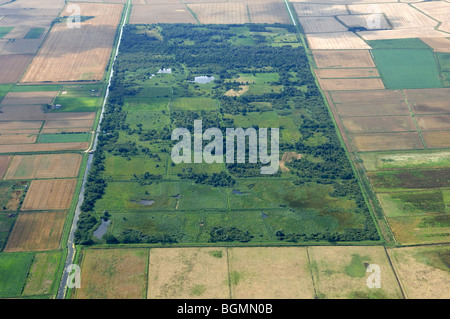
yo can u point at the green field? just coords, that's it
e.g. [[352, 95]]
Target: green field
[[34, 33], [14, 269], [150, 199], [6, 224], [5, 30], [72, 103], [36, 88], [405, 44], [407, 69], [42, 278], [64, 138]]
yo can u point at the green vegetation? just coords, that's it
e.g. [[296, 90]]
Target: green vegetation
[[150, 199], [14, 269], [356, 268], [407, 69], [6, 223], [5, 30], [36, 88], [64, 138], [34, 33], [405, 44]]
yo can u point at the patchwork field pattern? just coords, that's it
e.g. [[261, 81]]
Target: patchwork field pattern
[[62, 58]]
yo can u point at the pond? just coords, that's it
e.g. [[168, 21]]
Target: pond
[[101, 230]]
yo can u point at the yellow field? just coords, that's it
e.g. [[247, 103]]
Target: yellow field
[[44, 166], [351, 84], [49, 194], [387, 141], [220, 13], [340, 272], [71, 54], [321, 24], [336, 41], [423, 271], [184, 273], [343, 59], [161, 13]]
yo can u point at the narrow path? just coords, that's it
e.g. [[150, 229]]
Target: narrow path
[[71, 242]]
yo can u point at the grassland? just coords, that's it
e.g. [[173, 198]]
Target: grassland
[[13, 272]]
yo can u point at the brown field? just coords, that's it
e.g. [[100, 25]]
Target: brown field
[[220, 13], [355, 20], [372, 109], [351, 84], [22, 46], [161, 13], [269, 12], [49, 194], [340, 272], [44, 147], [387, 141], [33, 4], [71, 54], [36, 231], [17, 139], [378, 96], [347, 73], [68, 124], [336, 41], [270, 273], [35, 112], [343, 59], [438, 44], [434, 122], [287, 158], [401, 15], [424, 95], [44, 166], [423, 271], [317, 10], [66, 130], [379, 124], [28, 98], [437, 139], [113, 274], [429, 107], [321, 24], [33, 126], [4, 163], [243, 89], [185, 273], [13, 66]]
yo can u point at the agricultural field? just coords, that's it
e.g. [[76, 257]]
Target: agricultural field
[[42, 277], [14, 269], [49, 194], [123, 274], [36, 232], [341, 272], [422, 271], [62, 58], [44, 166]]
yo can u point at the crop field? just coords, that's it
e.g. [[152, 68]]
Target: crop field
[[114, 273], [17, 139], [49, 194], [36, 231], [14, 269], [438, 44], [343, 59], [43, 147], [13, 66], [422, 271], [433, 122], [347, 73], [184, 273], [27, 98], [372, 109], [321, 24], [437, 139], [44, 166], [437, 10], [317, 9], [409, 69], [42, 276], [379, 124], [351, 84], [361, 21], [387, 141], [284, 270], [167, 12], [336, 41], [220, 13], [268, 12], [62, 58]]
